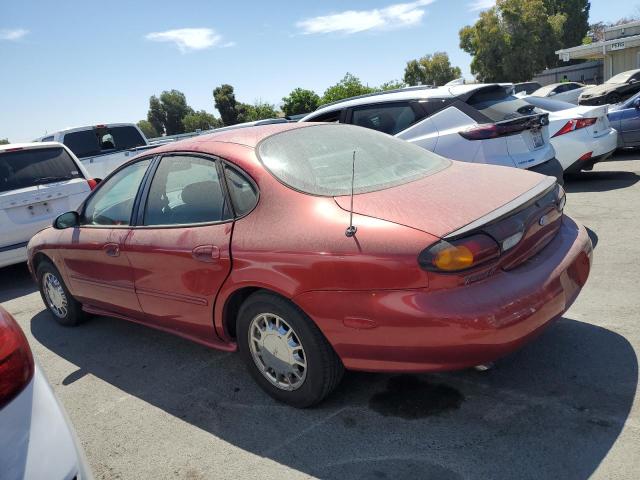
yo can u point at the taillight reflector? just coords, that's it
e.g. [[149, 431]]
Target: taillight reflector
[[93, 183], [575, 124], [459, 254], [16, 360], [586, 156]]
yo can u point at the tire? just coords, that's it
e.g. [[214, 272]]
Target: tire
[[322, 370], [68, 311]]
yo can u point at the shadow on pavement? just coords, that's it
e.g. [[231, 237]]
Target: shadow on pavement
[[15, 281], [552, 410], [599, 181]]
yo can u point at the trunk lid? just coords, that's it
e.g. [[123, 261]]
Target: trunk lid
[[449, 200]]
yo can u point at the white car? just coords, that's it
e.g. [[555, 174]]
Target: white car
[[581, 136], [38, 182], [481, 123], [565, 92], [37, 441], [102, 148]]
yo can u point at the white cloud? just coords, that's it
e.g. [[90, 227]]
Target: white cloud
[[397, 15], [187, 39], [478, 5], [12, 34]]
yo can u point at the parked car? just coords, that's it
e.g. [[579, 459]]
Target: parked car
[[581, 135], [101, 148], [36, 438], [38, 181], [565, 92], [614, 90], [526, 87], [471, 123], [625, 117], [311, 248]]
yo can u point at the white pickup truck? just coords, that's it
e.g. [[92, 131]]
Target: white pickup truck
[[101, 148]]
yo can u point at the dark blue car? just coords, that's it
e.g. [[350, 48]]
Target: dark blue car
[[625, 117]]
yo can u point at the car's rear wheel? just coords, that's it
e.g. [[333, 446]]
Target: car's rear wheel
[[285, 351], [65, 309]]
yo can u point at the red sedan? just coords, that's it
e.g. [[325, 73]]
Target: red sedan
[[312, 248]]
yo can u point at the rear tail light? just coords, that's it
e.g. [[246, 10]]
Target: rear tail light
[[16, 361], [459, 254], [575, 124], [93, 183], [491, 130]]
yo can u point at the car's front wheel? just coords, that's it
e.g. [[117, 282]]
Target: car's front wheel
[[285, 351], [65, 309]]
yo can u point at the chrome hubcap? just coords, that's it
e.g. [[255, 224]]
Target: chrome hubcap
[[277, 351], [54, 293]]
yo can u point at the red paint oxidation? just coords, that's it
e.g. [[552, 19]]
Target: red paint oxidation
[[367, 294]]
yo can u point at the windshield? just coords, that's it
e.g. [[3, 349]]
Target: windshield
[[26, 168], [544, 91], [318, 159], [620, 78], [549, 105]]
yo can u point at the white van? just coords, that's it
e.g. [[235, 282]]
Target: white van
[[101, 148], [38, 182]]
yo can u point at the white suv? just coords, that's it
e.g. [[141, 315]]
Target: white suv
[[38, 182], [480, 123]]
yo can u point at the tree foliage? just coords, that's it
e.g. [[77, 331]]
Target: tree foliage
[[225, 102], [392, 85], [518, 38], [433, 69], [200, 120], [4, 141], [300, 101], [349, 86], [147, 128], [258, 111], [166, 113]]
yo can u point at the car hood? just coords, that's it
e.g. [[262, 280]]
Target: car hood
[[600, 89], [448, 200]]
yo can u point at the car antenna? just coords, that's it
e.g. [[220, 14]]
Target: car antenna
[[352, 229]]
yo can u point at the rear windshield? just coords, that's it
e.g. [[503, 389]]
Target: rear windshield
[[99, 140], [318, 159], [26, 168], [548, 104], [497, 105]]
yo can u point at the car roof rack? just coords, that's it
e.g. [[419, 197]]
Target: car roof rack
[[374, 94]]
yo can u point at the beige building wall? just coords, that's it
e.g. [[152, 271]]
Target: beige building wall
[[620, 61]]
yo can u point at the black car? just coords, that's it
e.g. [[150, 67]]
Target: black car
[[614, 90]]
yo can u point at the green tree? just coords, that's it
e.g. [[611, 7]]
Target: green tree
[[259, 111], [156, 115], [300, 101], [349, 86], [166, 113], [200, 120], [147, 128], [4, 141], [513, 40], [433, 69], [576, 19], [225, 102], [392, 85]]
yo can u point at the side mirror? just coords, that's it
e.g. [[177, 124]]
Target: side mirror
[[551, 94], [66, 220], [636, 103]]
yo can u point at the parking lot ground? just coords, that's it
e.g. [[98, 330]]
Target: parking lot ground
[[148, 405]]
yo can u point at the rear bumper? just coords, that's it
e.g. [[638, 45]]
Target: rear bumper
[[422, 330], [580, 165], [13, 254], [552, 168]]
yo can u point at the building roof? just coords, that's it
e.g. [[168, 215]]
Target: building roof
[[598, 49]]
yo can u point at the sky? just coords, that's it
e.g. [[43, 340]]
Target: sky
[[71, 63]]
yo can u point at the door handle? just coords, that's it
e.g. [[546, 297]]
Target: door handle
[[112, 249], [206, 253]]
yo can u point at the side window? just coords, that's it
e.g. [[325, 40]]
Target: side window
[[47, 139], [329, 117], [185, 190], [112, 204], [572, 86], [561, 88], [83, 143], [242, 191], [389, 119]]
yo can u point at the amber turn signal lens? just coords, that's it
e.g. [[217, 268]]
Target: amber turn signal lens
[[459, 254]]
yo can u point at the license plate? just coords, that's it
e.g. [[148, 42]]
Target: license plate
[[538, 139]]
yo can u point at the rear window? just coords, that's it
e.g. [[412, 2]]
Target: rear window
[[26, 168], [495, 104], [87, 143], [318, 159], [549, 105]]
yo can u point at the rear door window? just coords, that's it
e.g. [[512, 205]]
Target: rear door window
[[26, 168], [387, 118], [243, 194]]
